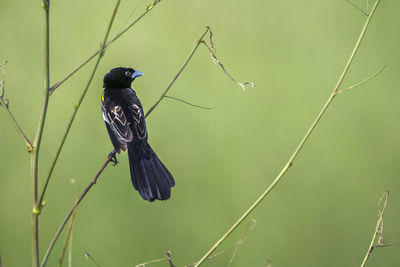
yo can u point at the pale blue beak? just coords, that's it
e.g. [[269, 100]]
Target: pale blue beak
[[137, 74]]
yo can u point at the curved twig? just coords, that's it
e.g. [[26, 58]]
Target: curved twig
[[98, 51], [298, 148]]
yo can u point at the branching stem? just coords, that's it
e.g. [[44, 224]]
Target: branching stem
[[76, 108], [72, 210], [28, 143], [299, 147], [362, 82], [38, 138], [211, 48], [4, 103], [87, 60], [178, 74]]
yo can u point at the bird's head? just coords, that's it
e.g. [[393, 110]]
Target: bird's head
[[120, 78]]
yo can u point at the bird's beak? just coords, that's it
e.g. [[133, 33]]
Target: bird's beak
[[136, 74]]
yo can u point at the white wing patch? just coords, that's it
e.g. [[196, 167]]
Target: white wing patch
[[139, 119], [119, 125]]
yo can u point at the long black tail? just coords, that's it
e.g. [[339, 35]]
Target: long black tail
[[149, 175]]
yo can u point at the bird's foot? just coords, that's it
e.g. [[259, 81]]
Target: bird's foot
[[113, 157]]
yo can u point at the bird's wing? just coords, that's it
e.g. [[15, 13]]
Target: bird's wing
[[140, 123], [117, 125]]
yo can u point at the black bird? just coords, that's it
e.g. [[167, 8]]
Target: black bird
[[124, 118]]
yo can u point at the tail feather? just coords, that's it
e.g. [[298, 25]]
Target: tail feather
[[147, 185], [162, 187], [170, 179], [149, 175]]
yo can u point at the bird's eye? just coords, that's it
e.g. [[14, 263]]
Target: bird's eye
[[128, 73]]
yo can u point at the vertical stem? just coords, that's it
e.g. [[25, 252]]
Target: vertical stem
[[38, 138], [38, 204], [76, 108], [35, 219]]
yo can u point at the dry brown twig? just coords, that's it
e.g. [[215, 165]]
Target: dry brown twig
[[234, 246], [377, 238], [213, 52]]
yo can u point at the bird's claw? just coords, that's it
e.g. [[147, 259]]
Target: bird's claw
[[113, 157]]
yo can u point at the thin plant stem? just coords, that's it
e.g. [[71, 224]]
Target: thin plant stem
[[271, 186], [2, 82], [358, 8], [38, 137], [76, 108], [178, 74], [211, 48], [299, 147], [64, 222], [94, 54], [88, 256], [71, 211], [186, 102], [68, 237], [233, 254], [70, 249], [355, 49], [16, 124], [240, 242], [152, 261], [4, 103], [169, 258], [235, 245], [362, 82], [378, 228]]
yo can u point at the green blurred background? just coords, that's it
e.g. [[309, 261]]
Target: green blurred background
[[324, 211]]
